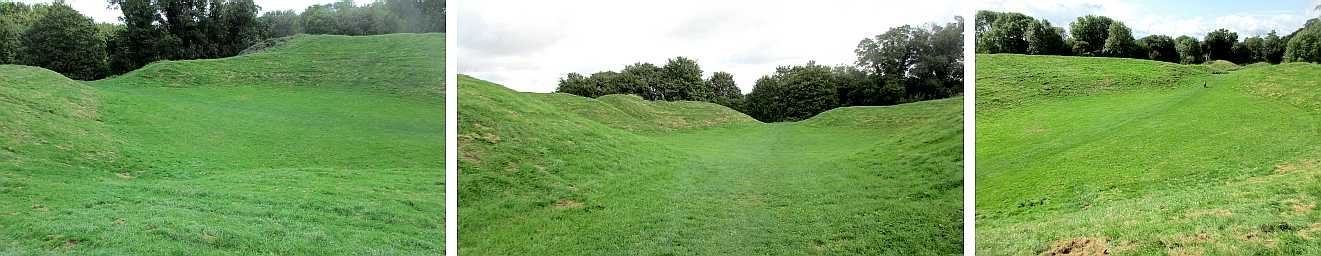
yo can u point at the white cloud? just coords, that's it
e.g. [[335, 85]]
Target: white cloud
[[529, 45]]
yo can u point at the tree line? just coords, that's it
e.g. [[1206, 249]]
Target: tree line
[[1091, 35], [57, 37], [905, 64]]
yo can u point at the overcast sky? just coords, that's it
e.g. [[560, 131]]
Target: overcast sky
[[530, 45], [1174, 18], [97, 9]]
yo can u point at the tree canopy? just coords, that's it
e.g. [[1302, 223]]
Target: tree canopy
[[904, 64], [1092, 35]]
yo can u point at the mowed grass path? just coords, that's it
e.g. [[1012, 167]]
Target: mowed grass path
[[1138, 161], [325, 145], [561, 174]]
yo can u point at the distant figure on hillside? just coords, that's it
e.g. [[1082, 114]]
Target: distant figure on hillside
[[1204, 85]]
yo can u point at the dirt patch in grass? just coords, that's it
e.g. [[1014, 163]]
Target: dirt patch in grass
[[1082, 246], [1303, 208], [1212, 212], [568, 204], [1295, 166], [1183, 251]]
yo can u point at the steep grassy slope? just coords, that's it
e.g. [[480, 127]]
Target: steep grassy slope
[[562, 174], [1162, 165], [305, 149]]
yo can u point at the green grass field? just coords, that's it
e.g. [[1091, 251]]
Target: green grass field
[[1135, 157], [324, 145], [558, 174]]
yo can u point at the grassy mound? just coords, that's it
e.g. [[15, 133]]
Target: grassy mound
[[1010, 80], [632, 113], [1181, 169], [1222, 66], [49, 121], [398, 63], [237, 156], [562, 174]]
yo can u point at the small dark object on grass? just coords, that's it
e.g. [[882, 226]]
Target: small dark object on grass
[[1204, 85], [1277, 226]]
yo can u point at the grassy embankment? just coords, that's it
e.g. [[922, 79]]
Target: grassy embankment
[[321, 145], [559, 174], [1136, 157]]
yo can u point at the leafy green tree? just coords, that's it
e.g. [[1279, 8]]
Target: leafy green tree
[[576, 84], [889, 55], [1090, 33], [319, 19], [9, 41], [1007, 32], [1273, 48], [1043, 39], [282, 23], [938, 71], [1119, 42], [1251, 50], [1160, 48], [65, 41], [642, 79], [724, 91], [1190, 50], [1220, 44], [683, 81], [1305, 44], [853, 88], [792, 93]]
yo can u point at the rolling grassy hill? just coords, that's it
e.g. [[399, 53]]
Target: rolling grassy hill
[[558, 174], [1135, 157], [322, 145]]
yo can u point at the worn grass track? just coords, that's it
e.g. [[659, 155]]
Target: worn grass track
[[561, 174]]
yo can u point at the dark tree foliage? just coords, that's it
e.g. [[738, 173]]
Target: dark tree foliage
[[642, 79], [1272, 49], [1119, 42], [679, 79], [139, 42], [1043, 39], [905, 64], [1190, 50], [182, 29], [1090, 33], [855, 89], [909, 64], [723, 90], [1003, 32], [9, 41], [576, 84], [1220, 45], [65, 41], [1160, 48], [793, 93], [682, 80], [1305, 44], [1102, 36]]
